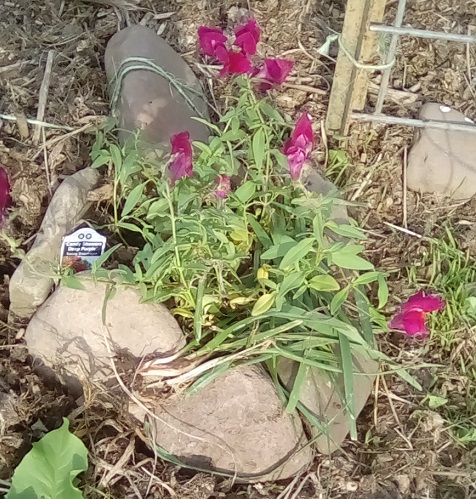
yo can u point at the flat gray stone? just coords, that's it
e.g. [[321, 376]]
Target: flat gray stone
[[67, 333], [148, 101], [234, 424], [321, 395], [33, 280], [443, 161]]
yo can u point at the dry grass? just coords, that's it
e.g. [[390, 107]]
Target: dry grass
[[406, 450]]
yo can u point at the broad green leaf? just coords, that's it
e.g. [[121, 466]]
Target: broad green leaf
[[324, 283], [259, 148], [263, 304], [70, 281], [296, 254], [245, 192], [233, 135], [338, 300], [50, 469], [132, 199], [347, 258]]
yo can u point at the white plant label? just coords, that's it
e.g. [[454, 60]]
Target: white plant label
[[80, 249]]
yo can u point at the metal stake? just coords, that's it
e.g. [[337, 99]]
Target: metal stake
[[394, 120], [422, 33], [390, 57]]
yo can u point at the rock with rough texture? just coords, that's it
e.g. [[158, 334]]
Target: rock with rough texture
[[33, 279], [67, 333], [159, 105], [314, 182], [320, 395], [443, 161], [234, 424]]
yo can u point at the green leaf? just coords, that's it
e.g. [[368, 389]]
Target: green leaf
[[324, 283], [382, 293], [261, 234], [263, 304], [348, 375], [50, 469], [346, 230], [279, 250], [132, 199], [199, 308], [297, 387], [296, 254], [245, 192], [72, 282], [116, 156], [366, 278], [258, 146], [100, 261], [347, 258], [338, 300], [101, 160], [269, 111], [434, 401], [291, 282]]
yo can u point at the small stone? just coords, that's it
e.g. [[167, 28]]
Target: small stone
[[236, 423], [443, 161], [320, 395], [148, 101], [67, 333], [316, 183], [32, 281]]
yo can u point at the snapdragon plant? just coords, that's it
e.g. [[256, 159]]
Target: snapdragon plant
[[251, 262]]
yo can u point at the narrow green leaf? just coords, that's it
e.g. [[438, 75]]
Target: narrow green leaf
[[278, 250], [346, 230], [348, 375], [197, 322], [296, 254], [51, 467], [116, 156], [101, 160], [338, 300], [132, 199], [366, 278], [297, 388], [245, 192], [100, 261], [70, 281], [258, 146], [290, 282], [324, 283], [382, 293], [261, 234], [263, 304]]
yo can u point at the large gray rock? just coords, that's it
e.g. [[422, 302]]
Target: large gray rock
[[148, 101], [234, 424], [68, 334], [321, 395], [443, 161], [33, 279]]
